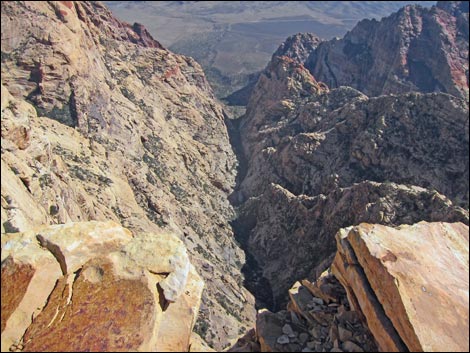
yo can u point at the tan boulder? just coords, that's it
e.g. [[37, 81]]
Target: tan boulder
[[94, 286], [411, 283], [180, 316]]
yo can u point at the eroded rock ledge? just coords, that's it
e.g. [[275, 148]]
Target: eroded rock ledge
[[96, 286], [414, 277]]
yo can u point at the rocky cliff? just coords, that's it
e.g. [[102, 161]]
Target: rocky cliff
[[416, 49], [319, 160], [100, 122], [95, 286]]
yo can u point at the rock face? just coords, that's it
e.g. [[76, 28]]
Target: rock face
[[319, 160], [289, 235], [298, 47], [99, 122], [415, 49], [410, 283], [93, 286], [314, 140]]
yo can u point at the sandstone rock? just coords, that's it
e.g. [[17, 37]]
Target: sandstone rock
[[324, 288], [198, 344], [298, 47], [313, 221], [100, 122], [180, 316], [27, 281], [273, 329], [431, 46], [164, 255], [89, 286], [413, 297], [300, 298], [305, 148]]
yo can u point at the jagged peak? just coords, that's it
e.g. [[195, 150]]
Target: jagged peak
[[298, 46]]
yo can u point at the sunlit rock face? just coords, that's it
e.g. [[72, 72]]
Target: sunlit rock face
[[100, 122], [410, 283], [92, 286]]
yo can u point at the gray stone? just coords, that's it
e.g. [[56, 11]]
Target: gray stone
[[349, 346], [303, 337], [316, 332], [283, 339], [344, 334], [318, 301], [294, 318], [287, 330]]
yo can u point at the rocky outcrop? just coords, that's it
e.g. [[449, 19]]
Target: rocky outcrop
[[314, 141], [298, 47], [318, 319], [99, 122], [388, 289], [290, 235], [410, 283], [415, 49], [96, 286], [319, 160]]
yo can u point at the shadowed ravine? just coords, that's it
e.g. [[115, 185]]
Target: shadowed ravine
[[254, 280]]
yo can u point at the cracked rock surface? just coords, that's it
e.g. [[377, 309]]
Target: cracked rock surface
[[410, 283], [92, 286]]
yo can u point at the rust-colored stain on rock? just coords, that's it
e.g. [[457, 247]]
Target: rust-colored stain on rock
[[15, 281], [111, 314], [389, 256], [69, 4]]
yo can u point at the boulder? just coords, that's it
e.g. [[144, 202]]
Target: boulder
[[410, 282], [96, 286]]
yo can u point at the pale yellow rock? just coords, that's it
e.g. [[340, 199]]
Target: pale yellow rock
[[198, 344], [179, 318], [165, 255], [73, 244], [93, 286], [420, 276]]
